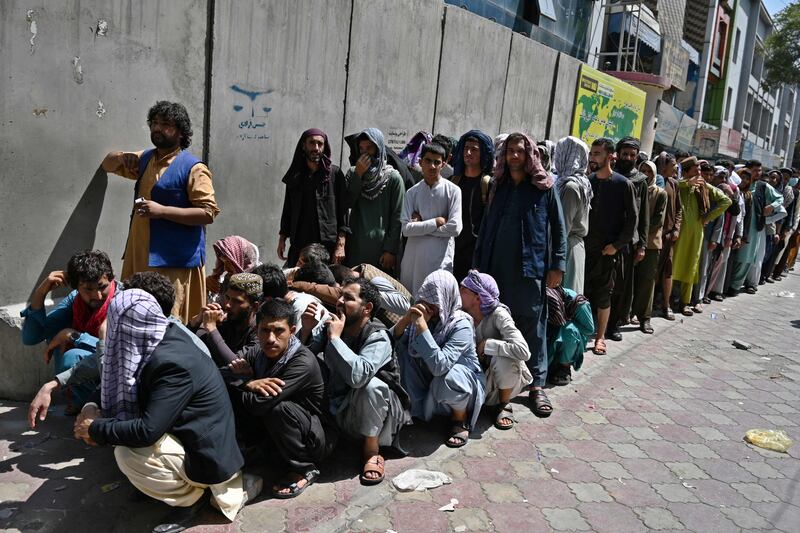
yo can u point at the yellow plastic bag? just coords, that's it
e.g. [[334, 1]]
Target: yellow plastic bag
[[770, 439]]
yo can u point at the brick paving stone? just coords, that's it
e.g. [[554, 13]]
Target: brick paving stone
[[307, 518], [571, 470], [516, 517], [745, 518], [664, 451], [609, 470], [709, 433], [629, 451], [592, 450], [716, 493], [590, 492], [724, 470], [656, 418], [633, 493], [674, 492], [488, 469], [755, 492], [473, 519], [547, 493], [574, 433], [699, 451], [701, 517], [761, 470], [657, 518], [418, 516], [502, 492], [592, 417], [676, 433], [610, 517], [469, 493], [783, 516], [643, 433], [566, 520], [554, 449], [648, 470], [687, 471]]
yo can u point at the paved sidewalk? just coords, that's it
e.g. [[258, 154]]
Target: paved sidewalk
[[647, 437]]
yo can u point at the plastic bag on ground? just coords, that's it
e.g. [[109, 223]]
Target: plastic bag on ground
[[420, 480], [770, 439]]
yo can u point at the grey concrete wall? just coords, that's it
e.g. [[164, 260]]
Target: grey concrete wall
[[68, 95], [531, 69], [472, 76], [393, 68], [278, 69], [564, 96]]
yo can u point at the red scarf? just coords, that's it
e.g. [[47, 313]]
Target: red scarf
[[88, 320]]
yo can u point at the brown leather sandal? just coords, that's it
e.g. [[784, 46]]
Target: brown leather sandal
[[373, 464]]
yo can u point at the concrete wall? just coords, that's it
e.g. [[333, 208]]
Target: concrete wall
[[531, 69], [278, 69], [68, 96], [564, 96], [472, 76], [393, 67]]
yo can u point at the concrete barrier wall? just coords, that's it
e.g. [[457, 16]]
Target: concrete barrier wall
[[278, 68], [472, 76], [393, 67], [526, 100], [76, 84]]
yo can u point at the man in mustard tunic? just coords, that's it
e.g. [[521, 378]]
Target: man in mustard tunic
[[173, 202]]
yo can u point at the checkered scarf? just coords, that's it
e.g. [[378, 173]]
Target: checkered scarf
[[242, 253], [136, 325], [440, 288]]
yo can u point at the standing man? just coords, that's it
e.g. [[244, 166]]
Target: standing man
[[173, 203], [473, 160], [612, 224], [673, 215], [375, 194], [431, 220], [314, 208], [523, 246], [622, 297]]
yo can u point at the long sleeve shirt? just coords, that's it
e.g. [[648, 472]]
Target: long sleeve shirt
[[502, 337], [613, 216]]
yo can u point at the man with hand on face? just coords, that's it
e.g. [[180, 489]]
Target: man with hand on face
[[376, 193], [283, 399], [72, 327], [174, 201], [315, 207], [230, 328], [612, 225], [363, 378], [627, 150], [522, 244], [431, 220]]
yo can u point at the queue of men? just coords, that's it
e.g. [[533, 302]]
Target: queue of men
[[405, 295]]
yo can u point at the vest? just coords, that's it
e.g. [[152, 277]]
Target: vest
[[172, 244], [390, 372]]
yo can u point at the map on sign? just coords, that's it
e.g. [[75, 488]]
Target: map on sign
[[606, 107]]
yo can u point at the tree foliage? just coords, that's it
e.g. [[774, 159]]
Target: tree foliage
[[782, 48]]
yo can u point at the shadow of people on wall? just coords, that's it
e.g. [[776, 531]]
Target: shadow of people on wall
[[80, 230]]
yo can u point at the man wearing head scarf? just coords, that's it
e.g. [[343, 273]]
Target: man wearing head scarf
[[673, 216], [522, 244], [646, 270], [235, 254], [439, 368], [702, 203], [612, 224], [166, 410], [315, 205], [791, 224], [431, 220], [771, 273], [727, 239], [622, 296], [375, 193], [229, 327], [173, 202], [501, 348], [570, 162], [473, 160]]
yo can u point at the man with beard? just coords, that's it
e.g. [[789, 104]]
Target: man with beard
[[173, 203], [72, 327], [363, 379], [473, 159], [376, 193], [314, 208], [673, 215], [622, 297], [522, 244], [230, 328], [612, 225]]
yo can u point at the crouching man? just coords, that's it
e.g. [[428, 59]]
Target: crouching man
[[363, 378], [166, 409]]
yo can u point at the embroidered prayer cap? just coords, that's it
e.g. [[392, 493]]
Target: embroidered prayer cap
[[251, 284]]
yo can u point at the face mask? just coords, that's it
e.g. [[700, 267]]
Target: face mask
[[792, 182], [623, 166]]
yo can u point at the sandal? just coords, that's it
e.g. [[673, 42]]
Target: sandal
[[706, 300], [669, 314], [541, 403], [646, 328], [698, 307], [599, 347], [294, 490], [686, 311], [373, 464], [750, 290], [502, 409], [561, 375], [460, 433]]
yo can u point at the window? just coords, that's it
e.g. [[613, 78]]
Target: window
[[736, 45], [728, 104]]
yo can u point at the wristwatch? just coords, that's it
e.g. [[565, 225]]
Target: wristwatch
[[74, 336]]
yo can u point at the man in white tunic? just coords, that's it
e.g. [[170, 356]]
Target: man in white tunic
[[431, 220]]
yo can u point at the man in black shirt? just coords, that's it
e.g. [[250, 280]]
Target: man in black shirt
[[612, 223]]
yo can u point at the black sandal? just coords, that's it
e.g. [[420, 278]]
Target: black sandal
[[561, 376], [504, 408], [294, 490], [460, 432], [541, 405]]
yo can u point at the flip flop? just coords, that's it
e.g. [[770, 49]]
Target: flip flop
[[294, 490], [375, 464]]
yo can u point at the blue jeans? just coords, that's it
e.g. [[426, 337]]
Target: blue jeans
[[79, 393]]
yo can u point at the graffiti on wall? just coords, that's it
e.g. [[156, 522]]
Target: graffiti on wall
[[251, 112]]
